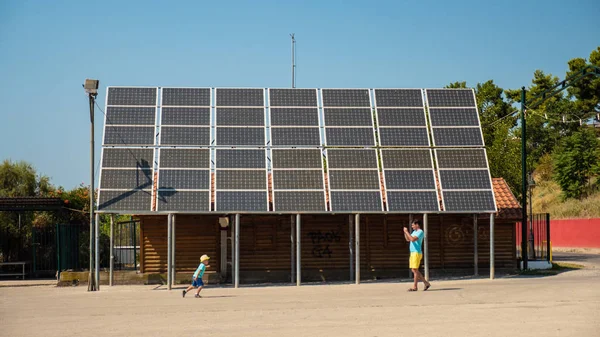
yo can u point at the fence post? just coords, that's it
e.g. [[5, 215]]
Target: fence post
[[57, 252], [112, 249], [548, 246], [33, 248]]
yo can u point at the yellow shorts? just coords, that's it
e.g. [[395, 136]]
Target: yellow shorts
[[415, 260]]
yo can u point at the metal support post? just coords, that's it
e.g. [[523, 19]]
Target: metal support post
[[475, 252], [91, 276], [523, 180], [548, 246], [97, 249], [492, 263], [112, 251], [237, 250], [298, 251], [426, 245], [357, 247], [173, 250], [351, 244], [293, 248], [169, 251]]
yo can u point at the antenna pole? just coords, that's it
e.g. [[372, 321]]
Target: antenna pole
[[293, 60]]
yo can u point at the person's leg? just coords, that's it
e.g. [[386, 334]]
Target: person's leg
[[198, 291], [188, 289], [416, 277]]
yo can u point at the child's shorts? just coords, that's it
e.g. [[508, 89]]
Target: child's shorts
[[198, 282]]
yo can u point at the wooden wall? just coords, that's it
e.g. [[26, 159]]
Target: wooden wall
[[265, 245]]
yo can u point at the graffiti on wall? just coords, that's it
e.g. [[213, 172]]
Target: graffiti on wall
[[322, 242]]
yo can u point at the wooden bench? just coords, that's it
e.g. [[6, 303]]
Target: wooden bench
[[2, 264]]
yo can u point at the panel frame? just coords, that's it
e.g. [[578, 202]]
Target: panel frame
[[266, 190], [426, 99], [432, 169], [487, 168], [325, 126], [426, 127], [376, 169], [273, 169], [216, 127]]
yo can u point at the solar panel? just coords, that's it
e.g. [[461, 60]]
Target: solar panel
[[239, 97], [240, 116], [461, 158], [296, 158], [401, 117], [129, 157], [398, 97], [184, 179], [299, 201], [454, 117], [409, 180], [450, 97], [295, 136], [346, 98], [181, 135], [294, 116], [116, 115], [184, 158], [170, 200], [465, 180], [240, 158], [241, 201], [350, 136], [241, 180], [128, 135], [186, 97], [403, 137], [457, 136], [345, 201], [469, 201], [132, 200], [298, 180], [406, 159], [353, 180], [240, 136], [126, 179], [412, 201], [292, 97], [131, 96], [185, 116], [348, 117], [351, 158]]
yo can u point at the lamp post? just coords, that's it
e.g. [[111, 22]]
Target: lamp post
[[531, 185], [91, 89]]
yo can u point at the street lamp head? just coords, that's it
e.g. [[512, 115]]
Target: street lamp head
[[91, 86]]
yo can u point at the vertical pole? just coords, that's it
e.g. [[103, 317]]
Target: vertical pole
[[58, 252], [173, 250], [410, 220], [237, 250], [91, 285], [169, 233], [475, 252], [223, 263], [426, 243], [112, 250], [298, 250], [97, 249], [548, 247], [357, 247], [293, 60], [33, 246], [523, 180], [293, 248], [231, 240], [134, 244], [351, 244], [492, 263]]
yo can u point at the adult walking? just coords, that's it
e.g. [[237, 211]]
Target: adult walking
[[416, 253]]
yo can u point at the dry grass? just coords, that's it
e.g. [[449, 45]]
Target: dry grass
[[547, 199]]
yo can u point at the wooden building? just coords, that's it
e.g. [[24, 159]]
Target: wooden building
[[267, 250]]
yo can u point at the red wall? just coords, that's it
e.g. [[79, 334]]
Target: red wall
[[575, 233]]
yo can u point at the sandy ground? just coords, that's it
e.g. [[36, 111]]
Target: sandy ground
[[567, 304]]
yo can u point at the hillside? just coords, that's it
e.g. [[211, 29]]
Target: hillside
[[547, 199]]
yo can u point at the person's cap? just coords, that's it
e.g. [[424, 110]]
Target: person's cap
[[204, 258]]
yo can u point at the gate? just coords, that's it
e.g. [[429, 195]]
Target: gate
[[538, 237], [126, 248]]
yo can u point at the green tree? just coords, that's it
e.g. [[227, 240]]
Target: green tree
[[576, 161]]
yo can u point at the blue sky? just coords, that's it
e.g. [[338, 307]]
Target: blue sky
[[48, 48]]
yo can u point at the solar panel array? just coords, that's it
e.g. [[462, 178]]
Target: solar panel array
[[167, 149]]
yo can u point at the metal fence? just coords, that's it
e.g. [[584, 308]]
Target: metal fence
[[538, 237], [126, 250]]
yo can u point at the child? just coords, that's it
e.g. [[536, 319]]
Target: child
[[197, 279]]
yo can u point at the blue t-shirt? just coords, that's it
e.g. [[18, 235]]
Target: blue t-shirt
[[200, 271], [415, 246]]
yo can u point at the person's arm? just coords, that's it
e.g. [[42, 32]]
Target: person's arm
[[197, 271], [409, 237]]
